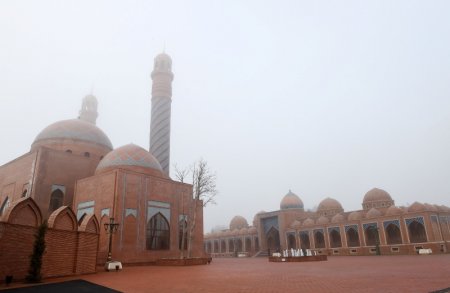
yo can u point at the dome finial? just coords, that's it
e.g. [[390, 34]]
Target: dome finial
[[88, 111]]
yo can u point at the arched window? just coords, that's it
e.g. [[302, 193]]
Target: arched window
[[4, 206], [393, 235], [158, 233], [291, 242], [304, 241], [417, 232], [182, 227], [352, 238], [56, 200], [335, 239]]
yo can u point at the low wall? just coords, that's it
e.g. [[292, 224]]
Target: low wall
[[298, 258]]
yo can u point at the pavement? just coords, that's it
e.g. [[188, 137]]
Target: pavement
[[415, 273]]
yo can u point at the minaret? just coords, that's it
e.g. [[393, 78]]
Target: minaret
[[88, 110], [162, 77]]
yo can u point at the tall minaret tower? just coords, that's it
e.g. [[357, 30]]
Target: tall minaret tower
[[88, 110], [162, 77]]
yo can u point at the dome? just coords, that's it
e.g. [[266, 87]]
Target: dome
[[393, 210], [235, 232], [322, 220], [416, 207], [376, 194], [308, 222], [73, 129], [329, 206], [238, 222], [337, 218], [296, 224], [354, 216], [163, 56], [430, 207], [373, 213], [252, 230], [131, 157], [291, 201], [243, 231]]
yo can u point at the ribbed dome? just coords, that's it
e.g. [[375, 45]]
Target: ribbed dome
[[238, 222], [308, 222], [373, 213], [354, 216], [393, 210], [291, 201], [337, 218], [322, 220], [376, 194], [74, 129], [129, 157], [416, 207]]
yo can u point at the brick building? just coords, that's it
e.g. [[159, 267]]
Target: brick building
[[330, 230], [72, 166]]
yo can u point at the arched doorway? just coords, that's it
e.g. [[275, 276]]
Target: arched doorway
[[273, 239], [304, 240], [417, 232], [352, 237], [393, 235], [335, 239], [239, 245], [319, 239], [256, 244], [372, 237], [216, 246], [291, 241]]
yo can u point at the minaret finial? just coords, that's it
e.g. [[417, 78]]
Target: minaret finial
[[88, 110]]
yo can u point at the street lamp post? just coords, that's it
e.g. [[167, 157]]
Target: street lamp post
[[110, 228]]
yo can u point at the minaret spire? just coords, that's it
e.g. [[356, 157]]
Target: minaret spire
[[162, 77], [88, 110]]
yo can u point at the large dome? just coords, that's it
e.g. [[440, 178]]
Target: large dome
[[291, 201], [131, 157], [329, 207], [73, 129], [238, 222]]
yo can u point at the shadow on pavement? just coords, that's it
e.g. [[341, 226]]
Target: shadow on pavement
[[75, 286]]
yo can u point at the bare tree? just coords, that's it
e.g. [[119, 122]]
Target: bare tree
[[204, 189]]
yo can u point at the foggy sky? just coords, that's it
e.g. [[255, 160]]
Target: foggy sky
[[326, 98]]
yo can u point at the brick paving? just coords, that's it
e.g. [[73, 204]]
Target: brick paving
[[338, 274]]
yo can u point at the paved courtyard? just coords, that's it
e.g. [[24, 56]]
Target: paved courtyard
[[338, 274]]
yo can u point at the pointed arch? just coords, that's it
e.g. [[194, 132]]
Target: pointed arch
[[158, 233], [304, 240], [248, 244], [291, 241], [63, 219], [393, 235], [89, 223], [417, 233], [319, 239], [352, 237], [335, 239], [239, 245], [273, 239], [24, 211], [223, 246], [216, 246]]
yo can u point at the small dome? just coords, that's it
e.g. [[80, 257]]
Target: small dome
[[430, 207], [252, 230], [235, 232], [238, 222], [308, 222], [129, 157], [227, 233], [373, 213], [416, 207], [354, 216], [163, 56], [291, 201], [337, 218], [376, 194], [393, 210], [243, 231], [72, 130], [329, 206], [322, 220], [296, 224]]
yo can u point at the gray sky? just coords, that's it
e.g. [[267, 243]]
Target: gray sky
[[326, 98]]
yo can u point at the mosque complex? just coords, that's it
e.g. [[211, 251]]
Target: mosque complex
[[74, 179]]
